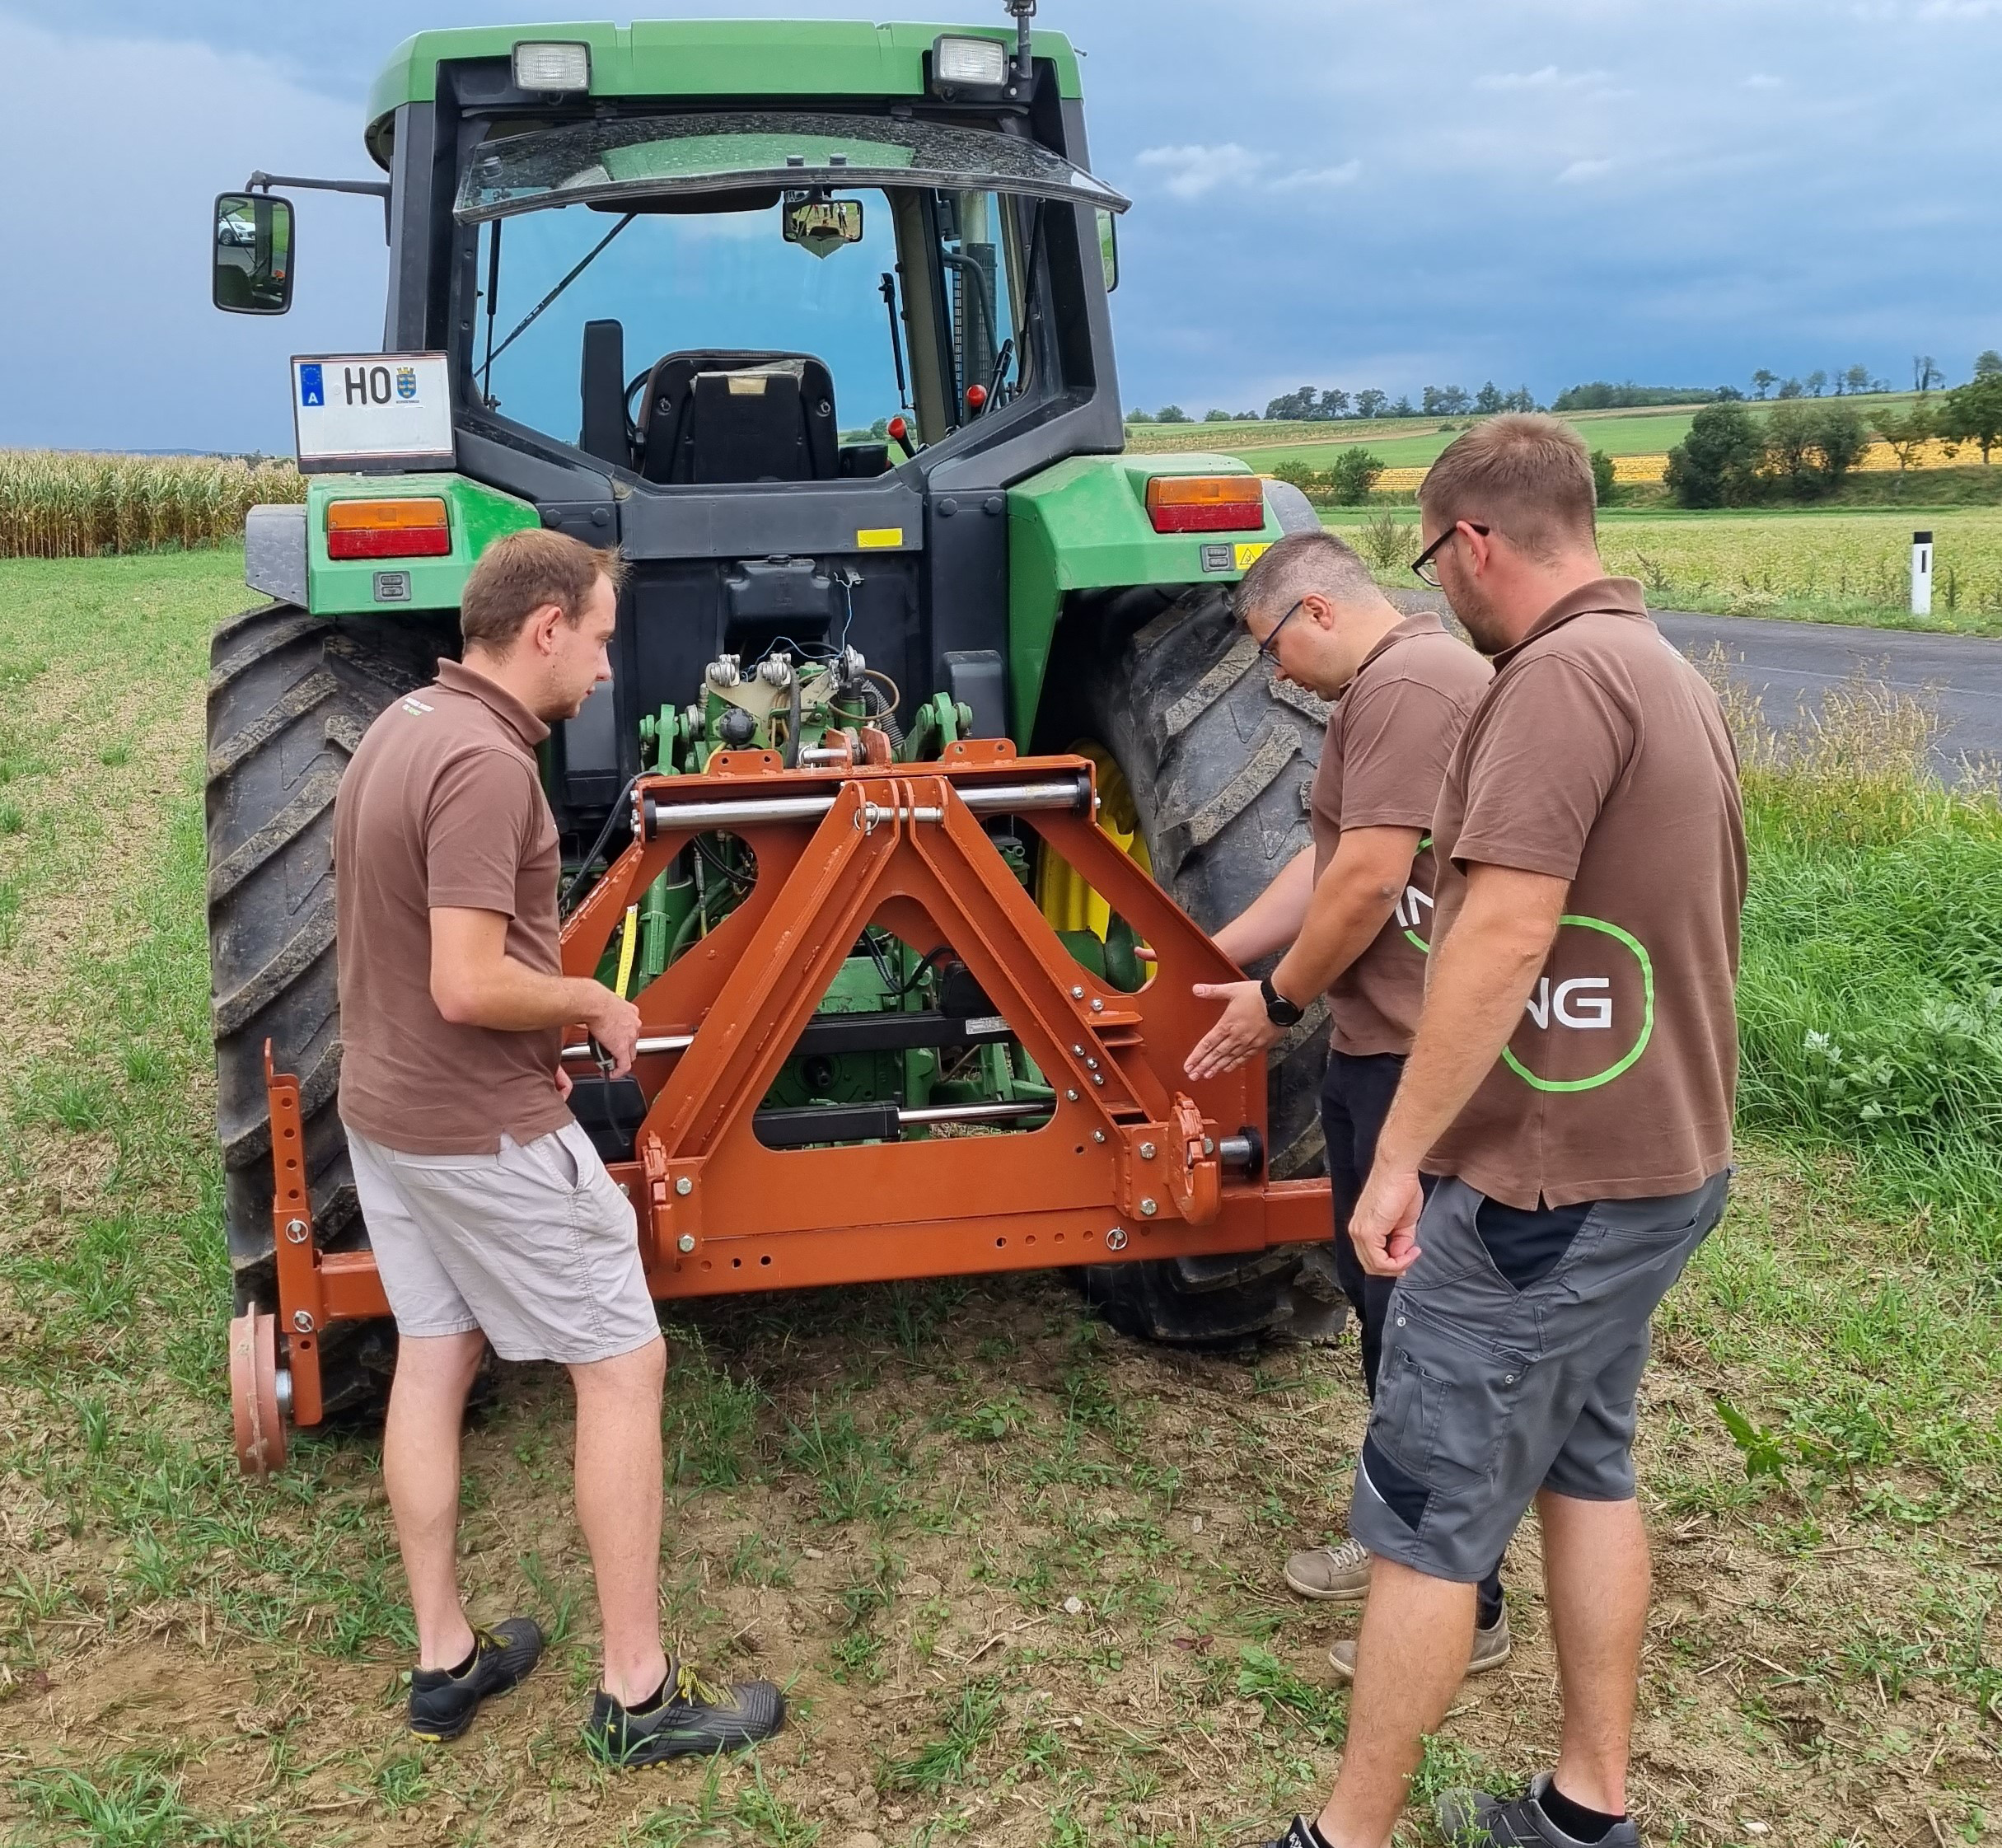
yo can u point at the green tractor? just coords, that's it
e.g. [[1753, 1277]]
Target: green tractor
[[811, 322]]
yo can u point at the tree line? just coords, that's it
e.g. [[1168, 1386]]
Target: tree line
[[1801, 450], [1327, 404]]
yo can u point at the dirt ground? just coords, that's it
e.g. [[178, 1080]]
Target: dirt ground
[[1019, 1575]]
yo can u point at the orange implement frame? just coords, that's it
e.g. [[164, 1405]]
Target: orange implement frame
[[1132, 1160]]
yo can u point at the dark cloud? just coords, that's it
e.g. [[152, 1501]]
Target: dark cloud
[[1538, 191]]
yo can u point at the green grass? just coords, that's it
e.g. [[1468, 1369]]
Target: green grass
[[1810, 564], [960, 1519]]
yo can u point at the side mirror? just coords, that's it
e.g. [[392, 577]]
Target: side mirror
[[1108, 248], [253, 253]]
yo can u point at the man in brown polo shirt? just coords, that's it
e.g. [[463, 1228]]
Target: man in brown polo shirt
[[1570, 1091], [1352, 913], [490, 1215]]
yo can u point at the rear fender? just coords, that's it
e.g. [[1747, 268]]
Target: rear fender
[[285, 548], [1083, 525]]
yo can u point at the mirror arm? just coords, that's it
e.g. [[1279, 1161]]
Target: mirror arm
[[262, 182]]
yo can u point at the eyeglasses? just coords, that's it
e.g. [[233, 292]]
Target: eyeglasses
[[1265, 648], [1423, 568]]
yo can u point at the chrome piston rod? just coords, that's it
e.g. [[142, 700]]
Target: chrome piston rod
[[990, 798]]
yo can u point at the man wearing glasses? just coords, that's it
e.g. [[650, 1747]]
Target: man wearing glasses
[[1351, 913], [1569, 1095]]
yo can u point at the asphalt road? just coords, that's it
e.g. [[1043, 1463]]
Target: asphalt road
[[1790, 664], [1787, 664]]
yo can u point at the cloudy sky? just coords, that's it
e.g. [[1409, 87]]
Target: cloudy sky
[[1340, 191]]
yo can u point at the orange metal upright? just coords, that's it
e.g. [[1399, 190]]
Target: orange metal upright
[[1133, 1160]]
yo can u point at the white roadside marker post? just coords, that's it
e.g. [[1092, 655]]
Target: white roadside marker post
[[1921, 574]]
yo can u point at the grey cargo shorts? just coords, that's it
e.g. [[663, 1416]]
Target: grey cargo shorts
[[533, 1245], [1488, 1393]]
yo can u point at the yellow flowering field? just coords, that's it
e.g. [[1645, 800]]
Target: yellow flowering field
[[1878, 458]]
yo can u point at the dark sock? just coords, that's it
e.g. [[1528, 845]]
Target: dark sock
[[465, 1668], [1307, 1831], [1580, 1823]]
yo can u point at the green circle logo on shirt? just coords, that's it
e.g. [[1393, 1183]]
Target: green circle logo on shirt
[[1584, 1004], [1412, 905]]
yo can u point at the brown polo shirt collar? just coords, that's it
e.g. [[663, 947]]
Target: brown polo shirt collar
[[1419, 622], [1613, 597], [457, 677]]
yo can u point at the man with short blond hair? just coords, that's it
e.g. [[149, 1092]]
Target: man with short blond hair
[[491, 1217], [1569, 1093]]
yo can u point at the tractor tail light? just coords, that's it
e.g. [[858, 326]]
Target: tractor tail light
[[1206, 502], [413, 528]]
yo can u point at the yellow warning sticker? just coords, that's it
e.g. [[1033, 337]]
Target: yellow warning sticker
[[1249, 555], [879, 539]]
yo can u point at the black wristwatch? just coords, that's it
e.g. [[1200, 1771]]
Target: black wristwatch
[[1279, 1010]]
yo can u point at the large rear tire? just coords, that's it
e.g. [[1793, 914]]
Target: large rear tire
[[289, 696], [1219, 759]]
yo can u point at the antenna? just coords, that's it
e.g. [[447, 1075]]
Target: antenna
[[1025, 67]]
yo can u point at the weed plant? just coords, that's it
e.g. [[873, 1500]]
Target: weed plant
[[1870, 1002]]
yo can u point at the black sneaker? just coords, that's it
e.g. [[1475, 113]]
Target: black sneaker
[[689, 1717], [1474, 1819], [1302, 1834], [442, 1704]]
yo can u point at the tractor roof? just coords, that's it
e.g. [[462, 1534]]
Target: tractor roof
[[705, 57]]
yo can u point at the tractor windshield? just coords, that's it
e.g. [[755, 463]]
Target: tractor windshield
[[923, 304], [767, 309]]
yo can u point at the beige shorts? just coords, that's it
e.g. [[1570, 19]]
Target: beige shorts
[[535, 1245]]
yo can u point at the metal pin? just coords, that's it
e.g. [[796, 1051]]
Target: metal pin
[[303, 1320], [1115, 1239], [295, 1230]]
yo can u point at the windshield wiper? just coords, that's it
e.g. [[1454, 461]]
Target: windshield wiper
[[528, 320]]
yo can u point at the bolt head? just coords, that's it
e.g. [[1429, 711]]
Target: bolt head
[[686, 1243], [683, 1186], [1098, 1078], [1076, 994], [1147, 1151], [1071, 1097], [1099, 1135], [1148, 1209], [1098, 1007]]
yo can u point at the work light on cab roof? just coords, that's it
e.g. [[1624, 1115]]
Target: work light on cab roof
[[921, 771]]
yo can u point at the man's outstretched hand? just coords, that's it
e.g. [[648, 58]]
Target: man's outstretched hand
[[1244, 1032], [1384, 1225]]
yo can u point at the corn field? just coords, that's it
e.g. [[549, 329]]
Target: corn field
[[61, 504]]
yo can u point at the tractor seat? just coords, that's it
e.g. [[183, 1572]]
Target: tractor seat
[[734, 416]]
